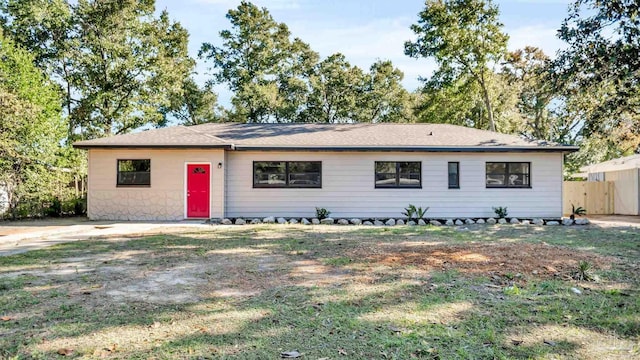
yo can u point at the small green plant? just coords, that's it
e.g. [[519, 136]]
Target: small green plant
[[577, 211], [420, 212], [512, 290], [509, 276], [584, 271], [79, 206], [339, 261], [322, 213], [55, 209], [500, 211], [409, 211], [412, 212]]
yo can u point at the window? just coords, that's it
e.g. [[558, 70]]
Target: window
[[287, 174], [391, 174], [508, 175], [134, 172], [454, 175]]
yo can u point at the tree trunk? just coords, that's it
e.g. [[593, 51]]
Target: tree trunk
[[487, 102]]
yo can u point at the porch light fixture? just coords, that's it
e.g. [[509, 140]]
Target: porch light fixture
[[219, 165]]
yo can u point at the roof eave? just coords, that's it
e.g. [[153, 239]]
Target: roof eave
[[151, 146], [409, 148], [335, 148]]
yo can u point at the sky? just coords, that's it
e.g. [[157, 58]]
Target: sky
[[363, 30]]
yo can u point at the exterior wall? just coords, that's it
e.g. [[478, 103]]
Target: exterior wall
[[164, 199], [625, 190], [348, 186]]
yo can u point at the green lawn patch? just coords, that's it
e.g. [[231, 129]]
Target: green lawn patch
[[328, 292]]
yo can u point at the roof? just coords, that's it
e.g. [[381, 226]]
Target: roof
[[624, 163], [325, 137]]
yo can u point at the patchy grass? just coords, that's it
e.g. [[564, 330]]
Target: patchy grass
[[334, 292]]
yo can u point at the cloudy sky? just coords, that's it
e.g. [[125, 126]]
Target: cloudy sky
[[363, 30]]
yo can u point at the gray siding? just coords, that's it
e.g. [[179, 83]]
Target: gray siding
[[348, 186]]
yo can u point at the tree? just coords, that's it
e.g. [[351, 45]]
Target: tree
[[601, 67], [31, 128], [294, 84], [337, 91], [118, 64], [130, 65], [457, 103], [544, 106], [385, 99], [45, 28], [262, 66], [465, 39], [194, 105]]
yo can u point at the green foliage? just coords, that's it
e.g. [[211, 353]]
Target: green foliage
[[513, 290], [194, 104], [600, 69], [465, 38], [501, 212], [80, 206], [420, 212], [55, 209], [384, 98], [412, 212], [117, 63], [322, 213], [336, 89], [584, 272], [31, 130], [409, 211], [577, 211], [278, 79], [338, 261], [261, 65], [545, 113]]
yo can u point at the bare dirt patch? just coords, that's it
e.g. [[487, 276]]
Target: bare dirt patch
[[537, 260], [244, 272]]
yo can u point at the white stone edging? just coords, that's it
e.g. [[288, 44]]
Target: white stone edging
[[401, 221]]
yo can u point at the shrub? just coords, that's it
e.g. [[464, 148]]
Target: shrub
[[577, 211], [79, 206], [421, 212], [412, 212], [500, 211], [409, 211], [584, 271], [322, 213], [55, 209]]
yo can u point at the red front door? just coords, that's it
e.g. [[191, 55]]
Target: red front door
[[198, 181]]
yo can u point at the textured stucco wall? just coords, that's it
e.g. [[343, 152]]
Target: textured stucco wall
[[164, 199]]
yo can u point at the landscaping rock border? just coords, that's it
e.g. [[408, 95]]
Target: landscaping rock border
[[403, 221]]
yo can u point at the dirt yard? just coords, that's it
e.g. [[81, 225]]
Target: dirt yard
[[253, 292]]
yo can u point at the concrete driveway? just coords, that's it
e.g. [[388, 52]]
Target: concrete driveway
[[615, 220], [21, 236]]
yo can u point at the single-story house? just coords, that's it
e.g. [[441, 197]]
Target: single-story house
[[624, 173], [353, 170]]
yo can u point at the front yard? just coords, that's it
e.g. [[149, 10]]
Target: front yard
[[331, 292]]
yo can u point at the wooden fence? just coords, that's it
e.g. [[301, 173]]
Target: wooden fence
[[595, 196]]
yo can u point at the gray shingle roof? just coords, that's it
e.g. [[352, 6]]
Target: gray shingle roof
[[414, 137]]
